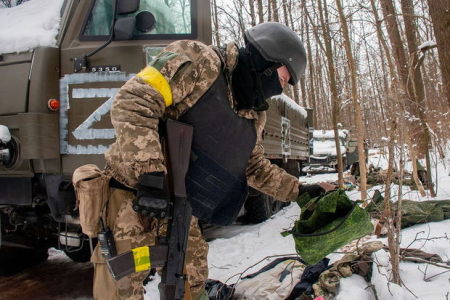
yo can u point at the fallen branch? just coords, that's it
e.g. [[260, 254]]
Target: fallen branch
[[420, 260]]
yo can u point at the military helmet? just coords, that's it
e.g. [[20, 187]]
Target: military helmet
[[278, 43]]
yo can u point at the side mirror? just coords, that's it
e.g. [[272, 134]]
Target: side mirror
[[123, 28], [127, 6], [145, 21]]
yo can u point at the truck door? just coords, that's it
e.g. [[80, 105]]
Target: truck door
[[87, 89]]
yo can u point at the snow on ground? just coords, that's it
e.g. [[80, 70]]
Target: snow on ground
[[243, 249], [248, 245]]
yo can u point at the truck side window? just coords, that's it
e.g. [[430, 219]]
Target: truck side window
[[172, 17]]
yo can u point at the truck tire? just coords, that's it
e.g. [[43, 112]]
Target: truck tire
[[13, 260], [261, 207]]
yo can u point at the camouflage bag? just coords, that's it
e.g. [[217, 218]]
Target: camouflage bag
[[91, 188], [326, 224]]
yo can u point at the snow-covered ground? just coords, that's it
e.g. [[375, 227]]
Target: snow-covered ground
[[245, 246]]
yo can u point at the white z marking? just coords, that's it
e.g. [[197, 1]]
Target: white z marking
[[84, 131]]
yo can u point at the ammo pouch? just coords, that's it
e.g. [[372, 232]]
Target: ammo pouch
[[92, 191], [327, 223]]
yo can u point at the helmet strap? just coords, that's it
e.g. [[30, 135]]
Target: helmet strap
[[270, 70]]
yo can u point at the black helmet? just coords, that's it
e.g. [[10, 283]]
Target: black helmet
[[278, 43]]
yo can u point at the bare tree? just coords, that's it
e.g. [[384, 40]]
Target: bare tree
[[285, 13], [252, 12], [215, 19], [323, 13], [415, 76], [439, 12], [260, 11], [274, 5], [356, 103]]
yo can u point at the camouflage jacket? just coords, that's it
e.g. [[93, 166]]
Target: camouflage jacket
[[190, 68]]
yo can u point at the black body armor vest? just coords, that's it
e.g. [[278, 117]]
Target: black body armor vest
[[216, 181]]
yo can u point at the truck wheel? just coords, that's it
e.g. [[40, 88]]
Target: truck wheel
[[84, 254], [261, 207], [13, 260]]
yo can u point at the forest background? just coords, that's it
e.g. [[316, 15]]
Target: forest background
[[380, 68]]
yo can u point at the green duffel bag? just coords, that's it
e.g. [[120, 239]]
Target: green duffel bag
[[326, 224]]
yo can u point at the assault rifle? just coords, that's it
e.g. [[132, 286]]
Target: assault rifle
[[170, 251]]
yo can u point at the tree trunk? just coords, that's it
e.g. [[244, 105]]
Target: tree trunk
[[333, 87], [260, 11], [416, 77], [356, 103], [216, 23], [252, 12], [388, 214], [402, 64], [311, 63], [274, 10], [285, 13], [439, 12]]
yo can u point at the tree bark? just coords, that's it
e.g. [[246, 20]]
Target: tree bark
[[356, 103], [312, 86], [388, 214], [439, 12], [285, 13], [417, 84], [216, 23], [274, 5], [260, 11], [252, 12], [323, 13]]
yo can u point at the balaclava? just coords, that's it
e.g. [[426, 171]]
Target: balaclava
[[254, 79]]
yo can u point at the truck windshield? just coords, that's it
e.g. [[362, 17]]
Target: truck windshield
[[173, 19]]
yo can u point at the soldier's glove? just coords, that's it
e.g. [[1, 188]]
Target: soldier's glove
[[314, 190], [153, 195]]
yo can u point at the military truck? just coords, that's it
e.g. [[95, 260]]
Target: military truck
[[323, 158], [54, 116]]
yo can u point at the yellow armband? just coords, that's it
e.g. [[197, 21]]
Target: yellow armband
[[154, 78], [141, 257]]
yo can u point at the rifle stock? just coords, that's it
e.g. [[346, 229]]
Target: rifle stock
[[171, 253]]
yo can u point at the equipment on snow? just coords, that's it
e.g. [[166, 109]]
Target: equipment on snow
[[327, 223]]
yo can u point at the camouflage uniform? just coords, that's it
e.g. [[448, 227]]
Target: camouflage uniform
[[190, 68]]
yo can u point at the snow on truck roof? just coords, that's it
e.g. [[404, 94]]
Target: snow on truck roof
[[29, 25], [291, 103], [329, 134]]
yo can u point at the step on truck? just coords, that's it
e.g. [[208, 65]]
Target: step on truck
[[54, 113]]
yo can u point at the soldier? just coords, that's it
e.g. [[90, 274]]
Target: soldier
[[222, 93]]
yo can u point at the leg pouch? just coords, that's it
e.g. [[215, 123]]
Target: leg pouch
[[91, 188]]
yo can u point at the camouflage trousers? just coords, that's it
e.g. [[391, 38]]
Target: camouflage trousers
[[129, 233]]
